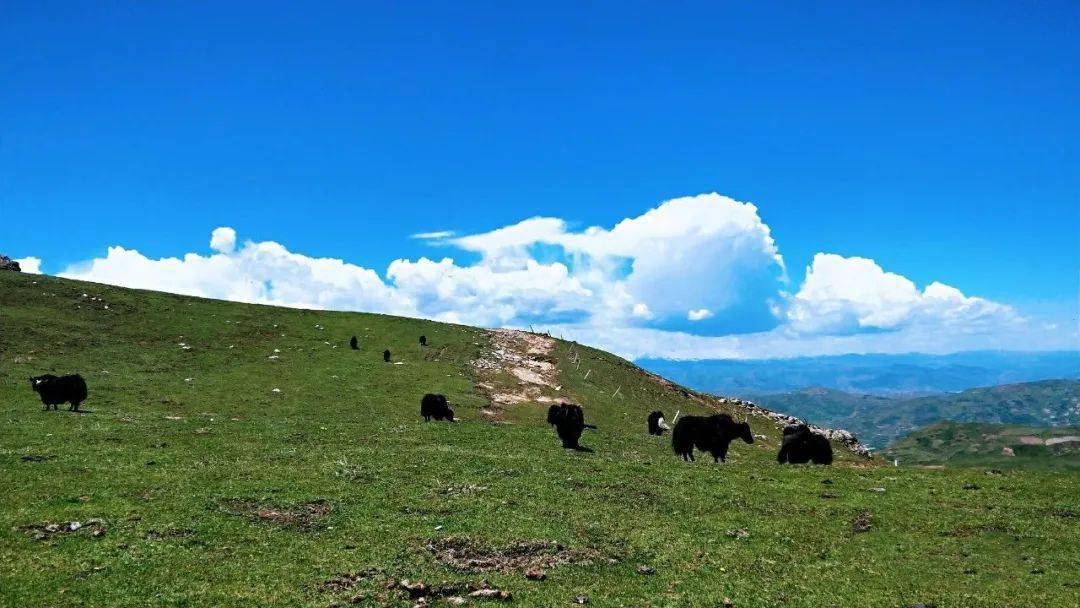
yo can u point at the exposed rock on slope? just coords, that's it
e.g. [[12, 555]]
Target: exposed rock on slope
[[7, 263]]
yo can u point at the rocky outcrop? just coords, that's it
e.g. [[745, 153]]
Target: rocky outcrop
[[840, 436], [7, 263], [844, 438]]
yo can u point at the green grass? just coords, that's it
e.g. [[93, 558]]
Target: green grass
[[345, 430], [973, 444]]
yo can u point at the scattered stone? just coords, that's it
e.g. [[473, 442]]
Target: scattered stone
[[828, 495], [970, 486], [535, 574], [46, 530], [738, 533], [646, 570], [728, 603], [492, 594], [581, 599], [877, 490], [1007, 451], [826, 481], [994, 472]]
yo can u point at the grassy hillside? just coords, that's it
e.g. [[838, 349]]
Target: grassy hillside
[[984, 445], [197, 484], [880, 420]]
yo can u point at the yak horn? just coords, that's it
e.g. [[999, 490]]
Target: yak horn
[[676, 418]]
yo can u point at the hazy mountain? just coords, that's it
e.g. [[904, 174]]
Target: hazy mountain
[[878, 420], [870, 374]]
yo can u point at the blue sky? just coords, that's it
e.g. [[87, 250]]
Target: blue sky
[[938, 142]]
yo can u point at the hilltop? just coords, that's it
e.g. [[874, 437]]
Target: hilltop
[[238, 454], [880, 420]]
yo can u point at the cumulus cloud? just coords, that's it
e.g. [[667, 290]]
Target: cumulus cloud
[[264, 272], [29, 265], [696, 252], [223, 240], [846, 295], [699, 315], [694, 277]]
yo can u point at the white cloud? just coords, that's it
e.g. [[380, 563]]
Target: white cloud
[[695, 277], [707, 251], [699, 315], [853, 295], [30, 265], [223, 240], [262, 272], [430, 236]]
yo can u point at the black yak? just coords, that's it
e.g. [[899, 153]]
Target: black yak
[[55, 390], [710, 434], [354, 344], [802, 445], [569, 422], [657, 424], [386, 355], [423, 340], [435, 406]]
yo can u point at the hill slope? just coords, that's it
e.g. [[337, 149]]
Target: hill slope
[[990, 445], [880, 420], [196, 483]]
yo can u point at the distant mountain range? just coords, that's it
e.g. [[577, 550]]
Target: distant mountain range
[[990, 445], [878, 420], [907, 375]]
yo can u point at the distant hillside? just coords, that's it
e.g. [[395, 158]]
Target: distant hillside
[[997, 445], [879, 420], [907, 375]]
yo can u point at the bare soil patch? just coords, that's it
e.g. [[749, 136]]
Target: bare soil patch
[[468, 555], [519, 368], [303, 516], [46, 530]]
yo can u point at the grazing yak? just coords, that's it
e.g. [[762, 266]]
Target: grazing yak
[[710, 434], [354, 343], [423, 340], [569, 422], [386, 355], [657, 424], [55, 390], [435, 406], [802, 445]]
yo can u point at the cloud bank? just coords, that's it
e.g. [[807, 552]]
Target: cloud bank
[[695, 277]]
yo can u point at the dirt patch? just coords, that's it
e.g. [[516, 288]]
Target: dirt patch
[[380, 587], [47, 530], [349, 581], [468, 555], [518, 368], [303, 516], [861, 523]]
